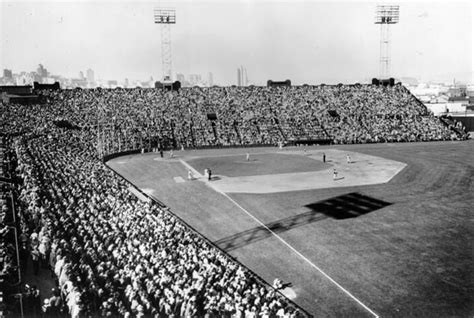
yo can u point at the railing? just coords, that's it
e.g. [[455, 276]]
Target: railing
[[18, 267], [17, 246], [12, 225]]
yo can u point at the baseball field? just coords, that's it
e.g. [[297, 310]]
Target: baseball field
[[375, 230]]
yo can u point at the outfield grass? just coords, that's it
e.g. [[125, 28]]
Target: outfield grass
[[409, 254]]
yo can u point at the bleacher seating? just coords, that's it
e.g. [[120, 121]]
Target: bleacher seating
[[117, 256]]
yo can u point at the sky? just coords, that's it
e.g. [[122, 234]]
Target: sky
[[309, 42]]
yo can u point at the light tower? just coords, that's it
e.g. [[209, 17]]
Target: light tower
[[386, 15], [165, 17]]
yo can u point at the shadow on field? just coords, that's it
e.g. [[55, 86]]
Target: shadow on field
[[347, 206], [259, 233], [341, 207]]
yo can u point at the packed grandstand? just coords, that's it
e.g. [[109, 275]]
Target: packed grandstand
[[114, 255]]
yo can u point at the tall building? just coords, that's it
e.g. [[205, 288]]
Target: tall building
[[245, 79], [210, 79], [81, 75], [41, 71], [7, 74], [26, 78], [242, 79], [194, 79], [90, 76]]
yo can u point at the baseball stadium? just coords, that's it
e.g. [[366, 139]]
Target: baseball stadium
[[322, 209], [285, 200]]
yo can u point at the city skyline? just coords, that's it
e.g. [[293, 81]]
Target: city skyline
[[86, 79], [302, 41]]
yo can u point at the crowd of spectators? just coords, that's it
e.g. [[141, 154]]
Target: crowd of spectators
[[9, 264], [455, 126], [118, 256], [147, 118], [114, 255], [8, 252]]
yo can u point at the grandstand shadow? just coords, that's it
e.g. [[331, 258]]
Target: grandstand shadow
[[346, 206], [341, 207], [261, 232]]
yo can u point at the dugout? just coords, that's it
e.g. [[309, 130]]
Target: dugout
[[467, 121]]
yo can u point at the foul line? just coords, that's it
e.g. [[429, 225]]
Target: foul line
[[282, 240], [194, 171], [299, 254]]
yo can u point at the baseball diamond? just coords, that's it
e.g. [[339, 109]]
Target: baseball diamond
[[395, 222]]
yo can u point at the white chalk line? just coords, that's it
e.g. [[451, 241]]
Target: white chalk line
[[189, 167], [283, 241], [299, 254]]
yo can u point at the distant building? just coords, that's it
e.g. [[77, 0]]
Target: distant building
[[245, 79], [459, 91], [7, 74], [77, 82], [195, 79], [41, 71], [112, 83], [408, 81], [443, 104], [242, 79], [90, 76], [26, 78], [180, 78], [210, 79], [81, 75], [144, 84]]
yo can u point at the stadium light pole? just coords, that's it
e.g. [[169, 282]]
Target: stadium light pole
[[385, 15], [165, 17]]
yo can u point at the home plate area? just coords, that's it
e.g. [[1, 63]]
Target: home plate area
[[293, 170]]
